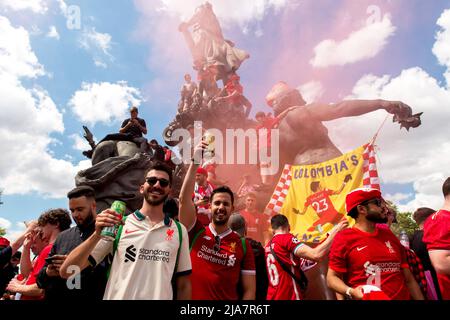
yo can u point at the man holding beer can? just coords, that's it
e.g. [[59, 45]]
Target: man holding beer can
[[148, 251]]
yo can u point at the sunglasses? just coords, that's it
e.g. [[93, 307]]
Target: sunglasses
[[153, 180], [378, 202], [216, 244]]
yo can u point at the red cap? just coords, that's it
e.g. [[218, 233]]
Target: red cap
[[360, 195], [4, 242], [202, 171]]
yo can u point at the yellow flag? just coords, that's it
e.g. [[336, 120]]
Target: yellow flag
[[314, 199]]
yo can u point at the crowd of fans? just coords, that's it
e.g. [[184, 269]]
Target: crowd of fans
[[199, 247]]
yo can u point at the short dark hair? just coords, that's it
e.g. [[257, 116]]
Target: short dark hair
[[154, 141], [59, 217], [160, 166], [314, 185], [81, 191], [421, 214], [354, 212], [260, 114], [279, 221], [223, 189], [134, 108], [446, 187]]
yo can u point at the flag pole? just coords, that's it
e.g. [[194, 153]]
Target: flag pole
[[378, 131]]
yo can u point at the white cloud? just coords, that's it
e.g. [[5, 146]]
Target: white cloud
[[418, 157], [104, 102], [398, 197], [311, 91], [12, 232], [359, 45], [62, 7], [80, 143], [441, 48], [53, 33], [231, 11], [16, 57], [5, 223], [98, 44], [37, 6], [27, 164]]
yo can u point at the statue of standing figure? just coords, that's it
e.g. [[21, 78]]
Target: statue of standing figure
[[208, 46]]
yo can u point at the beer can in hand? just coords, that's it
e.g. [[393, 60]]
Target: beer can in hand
[[210, 149], [110, 233]]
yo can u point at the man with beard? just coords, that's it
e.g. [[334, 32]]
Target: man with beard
[[151, 248], [221, 261], [92, 281], [370, 260]]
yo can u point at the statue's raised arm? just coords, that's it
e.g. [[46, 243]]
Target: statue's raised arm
[[301, 125]]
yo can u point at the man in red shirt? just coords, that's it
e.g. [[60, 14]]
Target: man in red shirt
[[221, 260], [437, 238], [256, 222], [286, 251], [201, 195], [365, 257]]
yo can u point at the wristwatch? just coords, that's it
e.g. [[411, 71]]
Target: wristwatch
[[348, 294]]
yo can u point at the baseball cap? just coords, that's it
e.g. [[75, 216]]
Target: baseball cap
[[360, 195], [4, 242], [202, 171]]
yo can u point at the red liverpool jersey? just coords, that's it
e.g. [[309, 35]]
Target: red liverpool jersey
[[371, 259], [281, 285], [218, 265], [436, 236], [257, 223]]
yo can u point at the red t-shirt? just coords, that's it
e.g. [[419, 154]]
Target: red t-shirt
[[37, 266], [215, 274], [371, 259], [281, 285], [256, 223], [436, 235], [321, 203]]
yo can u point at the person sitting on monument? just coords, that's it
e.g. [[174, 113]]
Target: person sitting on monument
[[235, 95], [135, 127]]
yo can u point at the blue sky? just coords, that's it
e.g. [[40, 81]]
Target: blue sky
[[131, 51]]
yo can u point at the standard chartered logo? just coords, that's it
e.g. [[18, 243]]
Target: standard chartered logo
[[231, 260], [132, 253]]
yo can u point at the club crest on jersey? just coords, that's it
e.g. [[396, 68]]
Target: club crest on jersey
[[295, 240], [169, 233], [389, 246], [233, 247]]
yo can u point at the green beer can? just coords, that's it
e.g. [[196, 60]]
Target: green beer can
[[109, 233]]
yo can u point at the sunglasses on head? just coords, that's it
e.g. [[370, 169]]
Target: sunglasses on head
[[153, 180]]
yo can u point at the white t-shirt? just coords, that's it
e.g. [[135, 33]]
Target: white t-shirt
[[144, 262]]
